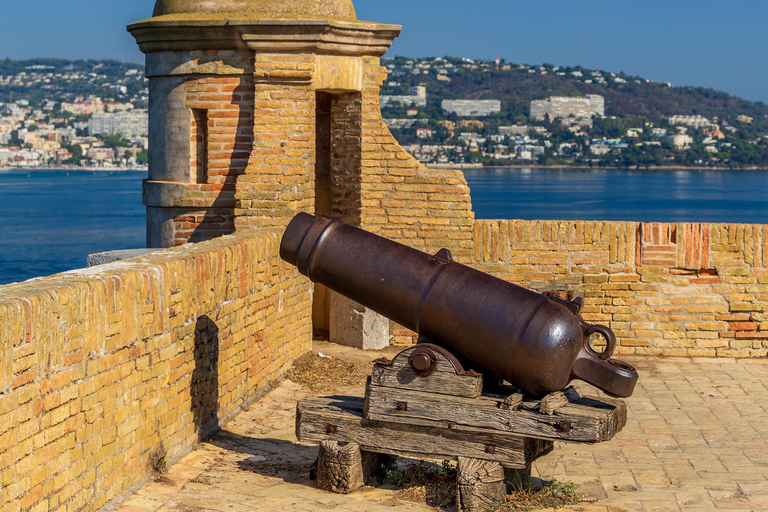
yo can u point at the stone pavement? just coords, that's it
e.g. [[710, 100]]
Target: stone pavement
[[696, 439]]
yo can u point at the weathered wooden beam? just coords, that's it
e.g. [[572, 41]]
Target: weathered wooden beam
[[341, 419], [554, 401], [513, 402], [586, 420]]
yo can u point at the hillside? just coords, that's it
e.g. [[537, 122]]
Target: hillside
[[516, 85], [37, 80], [635, 130]]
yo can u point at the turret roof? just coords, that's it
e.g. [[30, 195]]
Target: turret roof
[[341, 9]]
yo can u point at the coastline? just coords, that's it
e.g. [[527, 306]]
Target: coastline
[[72, 168], [594, 168], [460, 166]]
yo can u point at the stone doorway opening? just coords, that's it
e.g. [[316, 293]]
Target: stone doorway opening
[[338, 133]]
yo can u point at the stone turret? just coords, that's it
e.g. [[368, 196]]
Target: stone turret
[[260, 109], [236, 91]]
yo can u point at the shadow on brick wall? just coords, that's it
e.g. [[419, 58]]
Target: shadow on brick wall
[[226, 162], [205, 377]]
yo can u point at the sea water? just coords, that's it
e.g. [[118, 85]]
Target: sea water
[[643, 196], [52, 220]]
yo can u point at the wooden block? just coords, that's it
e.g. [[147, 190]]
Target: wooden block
[[553, 401], [513, 402], [444, 379], [341, 419], [339, 467], [585, 420], [480, 484]]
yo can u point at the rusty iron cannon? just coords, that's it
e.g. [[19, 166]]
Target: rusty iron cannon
[[536, 343]]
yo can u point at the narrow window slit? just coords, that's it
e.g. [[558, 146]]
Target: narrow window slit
[[199, 173]]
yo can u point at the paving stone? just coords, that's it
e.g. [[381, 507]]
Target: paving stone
[[681, 450]]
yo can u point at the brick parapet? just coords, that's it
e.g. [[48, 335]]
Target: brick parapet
[[405, 201], [105, 370], [682, 289]]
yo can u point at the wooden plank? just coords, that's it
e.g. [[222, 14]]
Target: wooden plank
[[443, 379], [587, 420], [341, 419]]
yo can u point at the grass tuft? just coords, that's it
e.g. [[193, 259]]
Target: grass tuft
[[160, 464], [554, 494]]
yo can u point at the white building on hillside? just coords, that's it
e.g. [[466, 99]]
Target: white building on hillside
[[121, 124], [695, 122], [416, 96], [561, 107], [472, 108]]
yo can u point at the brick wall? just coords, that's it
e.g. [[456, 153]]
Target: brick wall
[[104, 370], [670, 289], [425, 208], [278, 180], [222, 124]]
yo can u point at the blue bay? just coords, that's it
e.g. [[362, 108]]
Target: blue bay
[[645, 196], [54, 219]]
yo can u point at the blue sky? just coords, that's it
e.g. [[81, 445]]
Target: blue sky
[[719, 44]]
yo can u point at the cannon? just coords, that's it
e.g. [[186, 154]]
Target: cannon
[[537, 343]]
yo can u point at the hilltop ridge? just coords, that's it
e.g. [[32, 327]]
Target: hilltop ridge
[[516, 85]]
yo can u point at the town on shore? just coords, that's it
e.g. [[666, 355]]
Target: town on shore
[[89, 115], [92, 115], [451, 111]]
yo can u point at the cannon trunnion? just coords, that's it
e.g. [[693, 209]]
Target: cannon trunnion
[[536, 343]]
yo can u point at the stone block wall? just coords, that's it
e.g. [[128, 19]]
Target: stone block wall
[[677, 289], [102, 371]]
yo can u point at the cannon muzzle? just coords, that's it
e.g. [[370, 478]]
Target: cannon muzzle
[[537, 343]]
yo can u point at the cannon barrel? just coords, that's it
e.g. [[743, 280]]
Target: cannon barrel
[[537, 343]]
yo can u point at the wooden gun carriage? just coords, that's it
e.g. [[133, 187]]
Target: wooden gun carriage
[[429, 402]]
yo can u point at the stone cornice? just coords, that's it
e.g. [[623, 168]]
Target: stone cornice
[[329, 36]]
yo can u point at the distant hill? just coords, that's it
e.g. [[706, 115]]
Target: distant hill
[[518, 85], [106, 67], [635, 131], [63, 80]]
